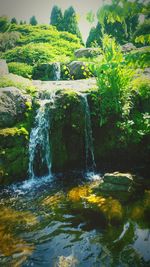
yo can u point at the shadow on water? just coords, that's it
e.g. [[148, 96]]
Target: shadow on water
[[59, 221]]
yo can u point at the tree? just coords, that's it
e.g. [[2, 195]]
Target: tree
[[121, 12], [33, 21], [95, 35], [4, 24], [70, 23], [14, 21], [141, 35], [56, 18]]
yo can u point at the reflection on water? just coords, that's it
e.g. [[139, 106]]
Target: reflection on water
[[54, 224]]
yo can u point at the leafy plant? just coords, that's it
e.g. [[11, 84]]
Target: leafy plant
[[113, 79], [21, 69]]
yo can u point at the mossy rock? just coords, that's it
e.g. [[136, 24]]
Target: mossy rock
[[14, 155], [67, 132]]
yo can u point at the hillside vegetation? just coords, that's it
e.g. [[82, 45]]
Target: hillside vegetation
[[37, 44]]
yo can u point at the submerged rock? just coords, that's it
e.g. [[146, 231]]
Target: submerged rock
[[118, 178], [12, 106], [119, 185]]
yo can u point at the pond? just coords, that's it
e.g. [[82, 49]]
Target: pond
[[43, 223]]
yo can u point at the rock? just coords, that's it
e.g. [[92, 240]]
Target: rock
[[68, 132], [117, 185], [128, 47], [3, 67], [13, 154], [12, 106], [79, 70], [47, 72], [118, 178], [87, 52]]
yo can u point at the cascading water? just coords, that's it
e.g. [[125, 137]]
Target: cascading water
[[57, 71], [89, 148], [39, 144]]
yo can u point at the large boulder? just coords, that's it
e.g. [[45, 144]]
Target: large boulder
[[12, 106], [3, 67], [118, 185], [79, 70], [87, 52], [68, 132]]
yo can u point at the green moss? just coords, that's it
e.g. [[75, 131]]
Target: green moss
[[25, 85]]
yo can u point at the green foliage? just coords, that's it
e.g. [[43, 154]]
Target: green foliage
[[38, 53], [139, 58], [8, 40], [120, 18], [4, 24], [142, 34], [39, 44], [95, 36], [33, 21], [70, 23], [141, 86], [56, 18], [90, 17], [113, 80], [13, 20], [20, 69], [27, 87]]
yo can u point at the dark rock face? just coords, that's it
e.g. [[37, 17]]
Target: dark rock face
[[12, 106], [79, 70], [13, 155], [67, 133], [87, 52], [3, 67], [46, 72]]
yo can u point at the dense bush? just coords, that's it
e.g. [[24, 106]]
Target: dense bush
[[37, 53], [41, 44], [142, 34], [139, 58], [113, 80], [8, 40], [20, 69]]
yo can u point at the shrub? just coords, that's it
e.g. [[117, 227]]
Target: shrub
[[8, 40], [113, 80], [19, 83], [20, 69], [139, 58]]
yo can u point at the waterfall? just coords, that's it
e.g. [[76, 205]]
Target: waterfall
[[39, 143], [89, 148], [57, 71]]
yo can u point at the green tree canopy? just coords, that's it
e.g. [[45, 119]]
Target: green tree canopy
[[4, 24], [95, 35], [14, 21], [120, 18], [33, 21], [70, 23], [56, 18]]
